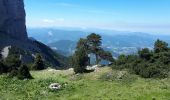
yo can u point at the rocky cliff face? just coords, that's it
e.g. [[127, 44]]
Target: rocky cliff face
[[13, 33], [12, 18]]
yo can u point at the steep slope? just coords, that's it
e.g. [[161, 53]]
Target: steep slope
[[13, 33], [50, 35], [65, 47]]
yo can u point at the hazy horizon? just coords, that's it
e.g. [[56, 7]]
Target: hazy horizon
[[151, 16]]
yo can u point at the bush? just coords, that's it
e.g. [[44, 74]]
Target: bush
[[145, 54], [23, 73], [147, 64], [13, 73], [13, 62], [124, 62], [3, 68], [12, 65], [147, 70], [121, 60], [38, 63]]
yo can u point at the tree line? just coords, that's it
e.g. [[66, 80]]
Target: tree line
[[147, 63]]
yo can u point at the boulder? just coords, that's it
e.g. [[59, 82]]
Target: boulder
[[55, 86], [94, 67]]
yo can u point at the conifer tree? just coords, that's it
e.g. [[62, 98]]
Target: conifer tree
[[94, 42], [38, 63], [80, 58], [160, 46], [23, 72]]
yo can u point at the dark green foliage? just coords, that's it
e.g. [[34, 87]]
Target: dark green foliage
[[80, 61], [3, 68], [147, 64], [160, 46], [0, 55], [82, 43], [90, 45], [13, 62], [80, 58], [15, 51], [124, 61], [50, 57], [148, 70], [121, 60], [13, 73], [38, 63], [94, 42], [145, 54], [23, 72], [162, 57], [12, 65], [105, 55], [15, 68]]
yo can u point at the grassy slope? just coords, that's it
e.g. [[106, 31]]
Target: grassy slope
[[84, 87]]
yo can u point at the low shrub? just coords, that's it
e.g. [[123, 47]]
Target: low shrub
[[23, 73], [147, 64]]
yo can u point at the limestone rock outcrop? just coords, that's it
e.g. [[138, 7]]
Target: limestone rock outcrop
[[12, 18], [13, 33]]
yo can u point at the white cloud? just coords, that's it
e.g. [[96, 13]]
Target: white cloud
[[53, 21], [48, 21], [65, 4]]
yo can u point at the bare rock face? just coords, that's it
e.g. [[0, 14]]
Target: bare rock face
[[12, 18], [13, 33]]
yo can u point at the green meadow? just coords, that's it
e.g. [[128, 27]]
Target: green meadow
[[103, 84]]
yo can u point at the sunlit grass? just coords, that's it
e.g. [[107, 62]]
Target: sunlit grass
[[89, 86]]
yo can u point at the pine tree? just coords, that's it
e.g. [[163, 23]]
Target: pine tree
[[160, 46], [38, 63], [94, 42], [80, 60]]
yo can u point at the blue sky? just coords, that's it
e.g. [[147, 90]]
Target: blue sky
[[125, 15]]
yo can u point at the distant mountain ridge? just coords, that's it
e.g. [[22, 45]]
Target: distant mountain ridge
[[117, 38], [115, 41], [64, 47], [50, 35]]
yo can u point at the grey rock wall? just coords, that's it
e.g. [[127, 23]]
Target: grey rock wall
[[12, 18], [13, 33]]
